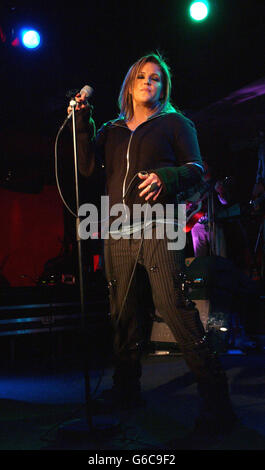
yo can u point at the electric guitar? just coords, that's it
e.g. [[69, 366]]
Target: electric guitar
[[195, 206], [193, 213]]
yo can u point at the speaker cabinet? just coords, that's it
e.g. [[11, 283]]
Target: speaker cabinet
[[161, 333]]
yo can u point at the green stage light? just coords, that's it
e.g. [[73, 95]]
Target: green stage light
[[199, 10]]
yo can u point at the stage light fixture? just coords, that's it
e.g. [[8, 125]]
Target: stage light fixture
[[199, 10], [30, 38]]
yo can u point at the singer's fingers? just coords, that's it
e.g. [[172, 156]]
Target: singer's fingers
[[81, 99], [153, 194], [151, 188], [80, 106], [145, 190], [143, 175], [149, 179]]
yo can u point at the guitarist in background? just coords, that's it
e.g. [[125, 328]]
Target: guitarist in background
[[208, 237], [225, 238], [213, 235]]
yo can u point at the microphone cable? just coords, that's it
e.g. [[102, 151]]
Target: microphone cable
[[133, 270], [57, 177], [56, 168], [138, 253], [75, 215]]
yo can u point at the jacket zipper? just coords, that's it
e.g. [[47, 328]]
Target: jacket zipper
[[127, 168], [128, 152]]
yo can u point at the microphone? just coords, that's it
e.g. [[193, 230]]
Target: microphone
[[87, 90], [85, 93]]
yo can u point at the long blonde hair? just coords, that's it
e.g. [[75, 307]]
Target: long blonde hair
[[125, 98]]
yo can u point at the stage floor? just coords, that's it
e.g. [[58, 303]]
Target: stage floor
[[38, 402]]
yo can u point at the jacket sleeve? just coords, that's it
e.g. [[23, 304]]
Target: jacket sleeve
[[187, 176], [90, 144], [185, 179]]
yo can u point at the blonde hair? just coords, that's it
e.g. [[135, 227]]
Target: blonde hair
[[125, 98]]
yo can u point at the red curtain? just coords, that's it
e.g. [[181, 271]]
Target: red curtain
[[31, 233]]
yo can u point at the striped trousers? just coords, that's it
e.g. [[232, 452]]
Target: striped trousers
[[155, 278]]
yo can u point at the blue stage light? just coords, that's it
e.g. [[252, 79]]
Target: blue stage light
[[30, 38]]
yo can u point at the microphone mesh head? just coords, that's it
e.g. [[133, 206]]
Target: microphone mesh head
[[87, 91]]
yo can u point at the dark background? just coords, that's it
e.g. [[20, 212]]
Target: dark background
[[95, 43]]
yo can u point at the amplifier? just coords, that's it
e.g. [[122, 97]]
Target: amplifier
[[161, 333]]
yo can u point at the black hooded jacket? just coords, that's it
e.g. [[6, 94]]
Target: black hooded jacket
[[165, 144]]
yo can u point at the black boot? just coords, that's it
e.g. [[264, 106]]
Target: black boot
[[216, 419], [216, 416], [126, 391]]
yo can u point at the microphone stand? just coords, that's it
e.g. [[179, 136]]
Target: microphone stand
[[107, 423], [81, 275]]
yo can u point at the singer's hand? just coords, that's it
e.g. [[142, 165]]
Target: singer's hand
[[81, 100], [151, 186]]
